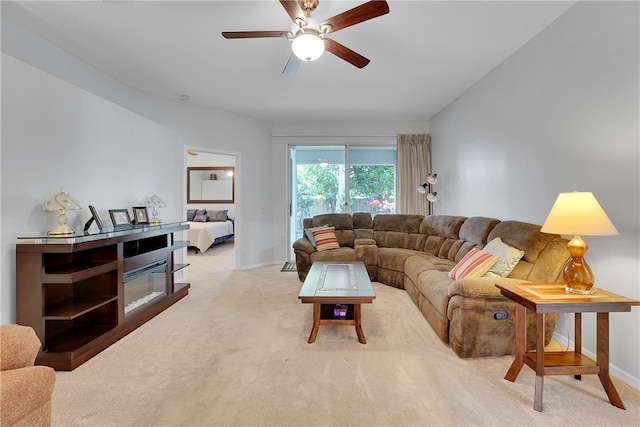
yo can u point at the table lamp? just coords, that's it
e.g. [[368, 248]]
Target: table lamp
[[578, 214], [60, 203], [154, 202]]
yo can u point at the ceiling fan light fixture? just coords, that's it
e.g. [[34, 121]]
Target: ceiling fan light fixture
[[308, 46]]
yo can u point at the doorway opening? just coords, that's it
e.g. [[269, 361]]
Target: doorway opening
[[213, 221]]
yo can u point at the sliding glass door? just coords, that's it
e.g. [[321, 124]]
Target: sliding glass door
[[340, 178], [372, 179]]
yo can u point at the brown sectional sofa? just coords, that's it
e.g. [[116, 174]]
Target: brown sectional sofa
[[415, 253]]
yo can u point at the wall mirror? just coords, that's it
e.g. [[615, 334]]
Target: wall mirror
[[210, 184]]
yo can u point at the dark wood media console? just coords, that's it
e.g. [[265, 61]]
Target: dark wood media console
[[74, 291]]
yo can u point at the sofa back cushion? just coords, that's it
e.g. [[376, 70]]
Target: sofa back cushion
[[551, 262], [528, 238], [524, 236], [403, 223], [342, 222], [443, 238], [398, 231], [476, 229], [447, 226], [362, 220]]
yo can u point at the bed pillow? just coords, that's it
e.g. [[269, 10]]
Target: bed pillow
[[474, 264], [509, 258], [201, 216], [309, 233], [326, 239], [217, 216], [191, 214]]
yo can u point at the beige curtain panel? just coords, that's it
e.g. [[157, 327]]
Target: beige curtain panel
[[413, 166]]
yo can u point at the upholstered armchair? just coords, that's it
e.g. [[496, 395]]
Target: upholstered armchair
[[25, 389]]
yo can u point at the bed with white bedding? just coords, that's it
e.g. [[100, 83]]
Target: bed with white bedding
[[202, 235]]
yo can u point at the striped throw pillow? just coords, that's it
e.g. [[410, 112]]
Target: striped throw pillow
[[326, 239], [474, 264]]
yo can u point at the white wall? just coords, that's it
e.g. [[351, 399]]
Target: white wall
[[55, 113], [196, 126], [561, 114], [249, 139], [57, 135]]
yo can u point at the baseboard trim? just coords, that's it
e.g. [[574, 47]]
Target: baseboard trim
[[614, 371]]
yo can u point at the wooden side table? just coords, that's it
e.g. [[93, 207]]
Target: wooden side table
[[542, 298]]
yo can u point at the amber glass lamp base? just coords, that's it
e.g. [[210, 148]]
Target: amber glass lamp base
[[578, 277]]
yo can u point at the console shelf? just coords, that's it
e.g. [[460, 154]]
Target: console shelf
[[74, 291], [70, 309]]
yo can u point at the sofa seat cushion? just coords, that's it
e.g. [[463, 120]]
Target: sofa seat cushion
[[394, 258], [434, 285], [340, 254], [416, 264], [480, 287], [443, 264], [363, 242]]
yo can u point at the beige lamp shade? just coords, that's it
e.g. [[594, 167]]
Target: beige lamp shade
[[578, 214]]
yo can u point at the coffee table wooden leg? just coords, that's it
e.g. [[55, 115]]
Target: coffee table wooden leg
[[602, 359], [357, 315], [521, 344], [316, 323]]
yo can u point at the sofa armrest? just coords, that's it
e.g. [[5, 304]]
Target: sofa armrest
[[19, 346], [303, 244], [25, 394], [480, 287]]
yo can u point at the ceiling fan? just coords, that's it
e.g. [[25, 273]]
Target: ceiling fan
[[309, 37]]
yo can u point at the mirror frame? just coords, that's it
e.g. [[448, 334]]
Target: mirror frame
[[211, 168]]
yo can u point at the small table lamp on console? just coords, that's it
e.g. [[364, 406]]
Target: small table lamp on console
[[154, 202], [61, 203], [578, 214]]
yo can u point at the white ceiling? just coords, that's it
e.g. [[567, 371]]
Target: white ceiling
[[423, 54]]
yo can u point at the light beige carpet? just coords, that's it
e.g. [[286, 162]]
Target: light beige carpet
[[235, 353]]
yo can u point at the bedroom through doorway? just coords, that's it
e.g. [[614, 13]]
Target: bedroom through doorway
[[210, 201]]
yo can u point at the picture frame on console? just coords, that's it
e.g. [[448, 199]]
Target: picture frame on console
[[120, 218], [94, 217], [140, 215]]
